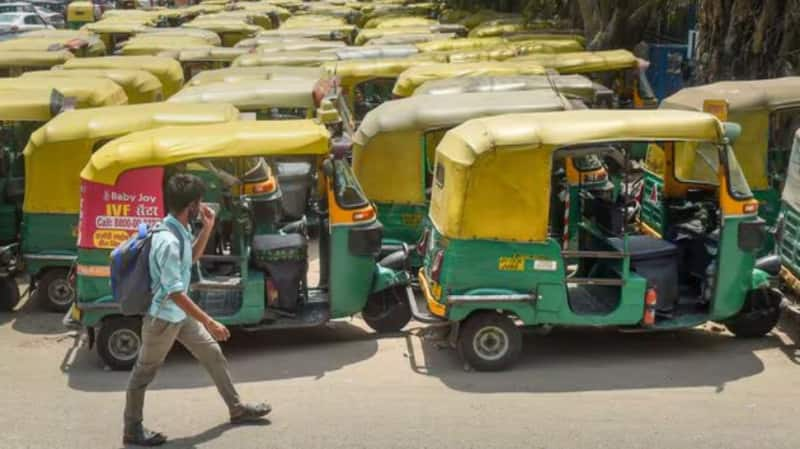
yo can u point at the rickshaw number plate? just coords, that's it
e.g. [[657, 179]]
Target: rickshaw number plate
[[545, 265], [513, 263]]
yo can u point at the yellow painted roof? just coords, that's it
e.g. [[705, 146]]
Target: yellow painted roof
[[224, 26], [309, 45], [303, 58], [461, 44], [173, 145], [409, 80], [43, 59], [88, 92], [116, 26], [139, 86], [354, 70], [209, 36], [583, 62], [237, 74], [205, 54], [54, 43], [26, 105], [153, 44], [167, 70], [572, 85], [252, 94], [755, 95]]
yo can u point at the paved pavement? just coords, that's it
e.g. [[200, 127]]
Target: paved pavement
[[341, 386]]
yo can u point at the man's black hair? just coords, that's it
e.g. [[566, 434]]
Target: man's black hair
[[182, 190]]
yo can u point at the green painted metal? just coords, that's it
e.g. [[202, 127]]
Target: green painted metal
[[652, 208], [734, 276], [402, 222], [351, 276], [789, 248], [49, 233]]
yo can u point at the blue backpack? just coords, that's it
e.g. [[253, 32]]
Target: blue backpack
[[130, 269]]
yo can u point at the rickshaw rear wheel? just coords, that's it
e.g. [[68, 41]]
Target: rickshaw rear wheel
[[387, 311], [759, 315], [9, 294], [119, 341], [54, 291], [489, 341]]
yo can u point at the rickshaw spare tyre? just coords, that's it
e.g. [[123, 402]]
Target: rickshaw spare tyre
[[489, 341], [387, 310], [9, 294], [54, 291], [759, 314], [119, 341]]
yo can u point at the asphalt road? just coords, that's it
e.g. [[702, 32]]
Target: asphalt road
[[343, 387]]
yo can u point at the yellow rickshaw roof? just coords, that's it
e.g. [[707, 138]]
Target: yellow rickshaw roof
[[315, 32], [27, 105], [34, 58], [309, 45], [376, 52], [307, 58], [88, 92], [44, 43], [209, 36], [167, 70], [94, 123], [205, 54], [237, 74], [577, 85], [153, 44], [131, 80], [56, 33], [425, 112], [252, 42], [116, 26], [409, 80], [756, 95], [583, 61], [252, 94], [515, 132], [223, 25], [358, 69], [172, 145], [399, 22], [368, 34], [461, 44], [409, 38], [80, 5]]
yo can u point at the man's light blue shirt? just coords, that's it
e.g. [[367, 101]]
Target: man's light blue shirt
[[170, 271]]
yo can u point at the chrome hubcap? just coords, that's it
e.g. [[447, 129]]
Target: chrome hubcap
[[491, 343], [124, 344], [60, 292]]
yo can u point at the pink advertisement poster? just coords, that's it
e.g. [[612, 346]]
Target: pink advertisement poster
[[111, 214]]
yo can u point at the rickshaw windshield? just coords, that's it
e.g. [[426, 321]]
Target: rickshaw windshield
[[698, 163], [791, 190], [346, 189], [281, 114], [370, 94], [589, 162]]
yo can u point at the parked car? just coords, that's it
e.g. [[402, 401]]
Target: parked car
[[51, 17], [16, 7], [21, 21]]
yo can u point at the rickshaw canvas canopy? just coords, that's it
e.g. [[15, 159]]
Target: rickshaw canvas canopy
[[583, 61], [409, 80], [139, 86], [237, 74], [43, 59], [26, 105], [167, 70], [88, 92], [252, 94]]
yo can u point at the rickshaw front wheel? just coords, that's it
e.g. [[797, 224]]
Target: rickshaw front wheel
[[759, 315], [9, 293], [119, 341], [489, 341], [387, 311], [54, 290]]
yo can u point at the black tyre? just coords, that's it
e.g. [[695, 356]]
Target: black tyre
[[54, 291], [387, 311], [9, 294], [119, 341], [759, 315], [489, 341]]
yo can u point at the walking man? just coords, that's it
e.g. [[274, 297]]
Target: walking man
[[174, 316]]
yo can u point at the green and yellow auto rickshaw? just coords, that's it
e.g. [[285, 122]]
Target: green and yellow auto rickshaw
[[412, 78], [230, 31], [197, 60], [15, 63], [393, 150], [365, 36], [139, 86], [788, 241], [769, 114], [167, 70], [295, 58], [87, 92], [153, 44], [53, 157], [409, 38], [21, 112], [236, 74], [258, 279], [619, 70], [483, 276], [210, 37], [79, 13]]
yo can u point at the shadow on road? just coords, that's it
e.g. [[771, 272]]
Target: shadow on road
[[31, 318], [574, 360], [252, 358], [211, 434]]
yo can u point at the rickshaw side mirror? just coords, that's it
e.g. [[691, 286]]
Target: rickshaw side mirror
[[732, 131]]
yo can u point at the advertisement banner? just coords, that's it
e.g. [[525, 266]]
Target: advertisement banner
[[111, 214]]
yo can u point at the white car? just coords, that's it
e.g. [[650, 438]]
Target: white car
[[17, 22]]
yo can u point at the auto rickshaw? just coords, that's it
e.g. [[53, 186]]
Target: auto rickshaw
[[342, 33], [87, 92], [167, 70], [198, 60], [230, 31], [210, 37], [366, 35], [15, 63], [115, 32], [147, 44], [54, 155], [379, 52], [368, 83], [788, 242], [411, 79], [258, 279], [410, 38], [619, 70], [399, 22], [139, 86], [297, 58], [769, 113], [572, 86], [236, 74], [269, 99], [482, 276], [304, 45], [80, 46], [79, 13], [393, 150]]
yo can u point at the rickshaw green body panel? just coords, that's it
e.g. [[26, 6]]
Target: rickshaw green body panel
[[402, 223], [789, 248]]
